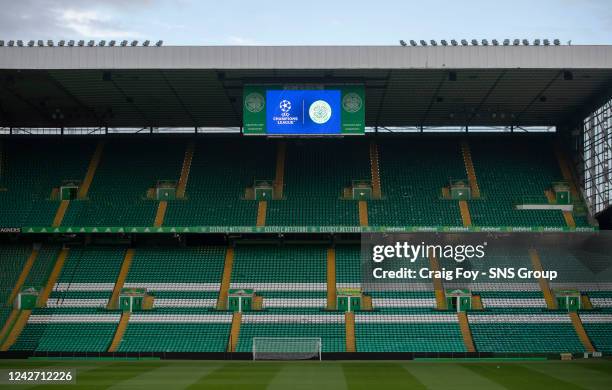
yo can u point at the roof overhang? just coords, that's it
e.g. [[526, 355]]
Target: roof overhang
[[202, 86]]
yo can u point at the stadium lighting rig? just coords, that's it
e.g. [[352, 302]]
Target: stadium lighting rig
[[473, 42]]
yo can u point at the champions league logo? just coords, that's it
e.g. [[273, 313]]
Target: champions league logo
[[320, 112], [285, 105]]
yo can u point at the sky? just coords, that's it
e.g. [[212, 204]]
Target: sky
[[310, 22]]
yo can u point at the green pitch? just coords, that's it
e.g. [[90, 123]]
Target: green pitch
[[367, 375]]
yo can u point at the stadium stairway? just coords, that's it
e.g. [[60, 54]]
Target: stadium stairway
[[160, 214], [120, 331], [586, 302], [363, 213], [55, 272], [469, 168], [375, 171], [279, 177], [466, 332], [181, 186], [8, 324], [581, 332], [477, 302], [536, 263], [331, 279], [185, 169], [262, 209], [61, 211], [234, 332], [24, 274], [349, 326], [123, 273], [438, 287], [226, 279], [91, 170], [17, 328], [465, 213]]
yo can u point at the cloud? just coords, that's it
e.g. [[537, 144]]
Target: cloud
[[64, 19]]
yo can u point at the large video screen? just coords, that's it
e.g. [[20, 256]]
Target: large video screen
[[273, 110], [303, 112]]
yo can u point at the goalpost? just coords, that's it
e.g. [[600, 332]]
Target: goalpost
[[286, 348]]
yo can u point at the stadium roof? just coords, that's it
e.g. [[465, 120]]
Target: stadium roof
[[202, 86]]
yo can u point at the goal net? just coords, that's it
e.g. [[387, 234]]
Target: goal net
[[286, 348]]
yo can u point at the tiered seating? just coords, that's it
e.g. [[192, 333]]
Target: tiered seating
[[315, 199], [522, 332], [128, 168], [510, 172], [348, 266], [88, 277], [177, 333], [295, 270], [32, 169], [412, 176], [328, 327], [221, 170], [500, 293], [599, 328], [69, 333], [39, 274], [178, 277], [408, 333], [12, 260]]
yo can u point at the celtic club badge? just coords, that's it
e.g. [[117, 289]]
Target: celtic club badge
[[352, 102], [254, 102], [320, 112]]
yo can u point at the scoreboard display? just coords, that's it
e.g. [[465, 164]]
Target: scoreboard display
[[273, 110]]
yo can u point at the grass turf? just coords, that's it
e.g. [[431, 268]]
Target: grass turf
[[163, 374]]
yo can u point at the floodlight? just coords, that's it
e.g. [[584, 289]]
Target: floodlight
[[91, 43], [19, 43], [112, 43], [403, 43], [423, 43], [160, 42], [81, 43], [433, 43], [464, 42], [413, 42], [557, 42], [124, 43], [536, 42], [485, 42], [1, 42], [134, 43], [31, 43], [506, 42], [49, 42], [102, 43], [525, 42], [546, 42], [40, 43], [443, 42], [71, 42], [474, 42], [516, 42], [146, 43], [495, 42], [453, 42], [61, 42], [11, 43]]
